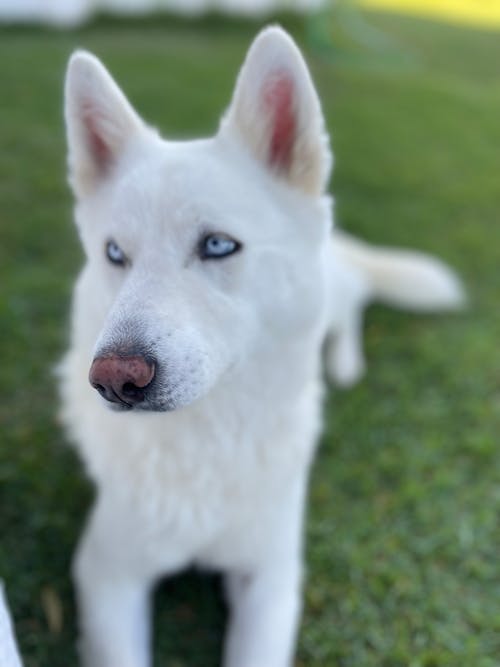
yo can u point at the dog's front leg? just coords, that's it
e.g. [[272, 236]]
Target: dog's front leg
[[265, 610], [265, 601], [113, 600]]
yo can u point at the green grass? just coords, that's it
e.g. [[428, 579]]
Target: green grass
[[403, 526]]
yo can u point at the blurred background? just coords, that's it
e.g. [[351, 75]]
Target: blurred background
[[403, 539]]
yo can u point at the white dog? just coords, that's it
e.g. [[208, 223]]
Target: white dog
[[210, 283]]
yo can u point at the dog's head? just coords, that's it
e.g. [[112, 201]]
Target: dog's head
[[200, 253]]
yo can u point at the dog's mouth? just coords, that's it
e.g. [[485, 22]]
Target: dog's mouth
[[145, 400], [115, 403], [143, 407], [142, 402]]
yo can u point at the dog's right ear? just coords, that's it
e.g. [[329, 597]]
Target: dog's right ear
[[99, 122]]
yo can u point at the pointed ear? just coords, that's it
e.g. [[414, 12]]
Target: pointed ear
[[276, 113], [99, 121]]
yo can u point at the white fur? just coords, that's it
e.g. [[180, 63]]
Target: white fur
[[360, 273], [9, 655], [220, 478]]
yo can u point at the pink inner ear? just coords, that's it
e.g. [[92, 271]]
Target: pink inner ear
[[278, 99], [99, 149]]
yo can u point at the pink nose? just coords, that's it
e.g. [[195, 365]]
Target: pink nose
[[122, 380]]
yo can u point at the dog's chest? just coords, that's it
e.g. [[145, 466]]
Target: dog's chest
[[194, 485]]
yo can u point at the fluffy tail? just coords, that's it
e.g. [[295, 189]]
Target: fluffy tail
[[361, 273], [403, 278]]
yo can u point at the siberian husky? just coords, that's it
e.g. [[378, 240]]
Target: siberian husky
[[210, 284]]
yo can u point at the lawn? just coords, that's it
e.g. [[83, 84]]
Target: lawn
[[403, 527]]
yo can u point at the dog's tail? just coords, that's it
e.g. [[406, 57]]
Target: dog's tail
[[402, 278], [360, 274]]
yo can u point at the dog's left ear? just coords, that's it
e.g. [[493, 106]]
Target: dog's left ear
[[276, 114]]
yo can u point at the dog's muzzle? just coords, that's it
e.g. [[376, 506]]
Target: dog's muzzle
[[122, 380]]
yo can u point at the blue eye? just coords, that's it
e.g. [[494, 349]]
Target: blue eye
[[115, 254], [217, 246]]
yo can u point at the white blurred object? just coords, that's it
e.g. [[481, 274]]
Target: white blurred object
[[54, 12], [67, 13], [9, 656]]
